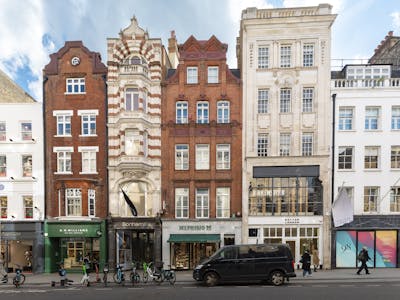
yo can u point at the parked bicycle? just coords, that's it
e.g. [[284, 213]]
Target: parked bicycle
[[63, 276], [169, 275], [19, 277], [134, 275], [119, 276], [105, 274], [150, 272]]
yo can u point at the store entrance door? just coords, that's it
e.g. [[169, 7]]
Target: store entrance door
[[293, 248]]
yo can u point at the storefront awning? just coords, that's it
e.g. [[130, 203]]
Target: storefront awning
[[194, 238]]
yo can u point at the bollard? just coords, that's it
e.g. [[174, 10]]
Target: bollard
[[53, 283], [62, 282]]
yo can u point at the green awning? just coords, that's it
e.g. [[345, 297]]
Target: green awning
[[194, 238]]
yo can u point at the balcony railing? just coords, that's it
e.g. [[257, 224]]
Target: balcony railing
[[366, 83]]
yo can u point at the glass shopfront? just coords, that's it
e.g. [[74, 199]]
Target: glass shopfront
[[185, 256], [134, 246]]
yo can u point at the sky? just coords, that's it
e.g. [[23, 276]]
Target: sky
[[30, 30]]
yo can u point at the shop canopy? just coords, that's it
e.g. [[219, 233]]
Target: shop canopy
[[194, 238]]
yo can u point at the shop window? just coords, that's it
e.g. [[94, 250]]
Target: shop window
[[229, 239], [28, 206], [253, 232], [27, 165]]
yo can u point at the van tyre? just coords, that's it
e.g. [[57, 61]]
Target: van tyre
[[277, 278], [211, 279]]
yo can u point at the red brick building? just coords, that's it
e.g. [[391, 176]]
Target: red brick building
[[75, 99], [201, 153]]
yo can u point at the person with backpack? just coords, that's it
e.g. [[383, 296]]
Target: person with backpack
[[363, 257]]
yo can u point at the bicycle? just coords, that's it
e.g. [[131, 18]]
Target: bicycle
[[134, 275], [105, 274], [169, 275], [119, 276], [19, 277], [149, 271]]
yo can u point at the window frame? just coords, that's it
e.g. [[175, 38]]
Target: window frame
[[262, 101], [28, 210], [223, 199], [132, 99], [26, 167], [285, 99], [181, 111], [308, 55], [3, 131], [73, 202], [307, 144], [64, 127], [285, 56], [262, 144], [212, 74], [346, 120], [367, 196], [223, 157], [203, 112], [263, 57], [3, 165], [75, 85], [284, 144], [343, 158], [395, 118], [182, 203], [182, 161], [88, 126], [372, 120], [395, 157], [308, 100], [26, 130], [91, 202], [3, 207], [202, 157], [371, 161], [88, 159], [223, 112], [202, 203], [192, 75], [64, 159]]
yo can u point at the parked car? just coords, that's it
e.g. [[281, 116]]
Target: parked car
[[237, 263]]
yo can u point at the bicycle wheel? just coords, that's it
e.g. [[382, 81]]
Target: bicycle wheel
[[137, 278], [105, 279], [172, 278], [145, 277], [22, 279], [116, 279], [15, 282]]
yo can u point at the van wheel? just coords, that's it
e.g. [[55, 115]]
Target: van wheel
[[277, 278], [211, 279]]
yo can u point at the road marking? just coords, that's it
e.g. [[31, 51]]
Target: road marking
[[346, 285], [190, 287], [373, 285], [103, 289], [320, 285], [136, 288]]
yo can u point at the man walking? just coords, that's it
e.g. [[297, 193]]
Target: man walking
[[363, 257]]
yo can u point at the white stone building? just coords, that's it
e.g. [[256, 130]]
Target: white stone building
[[21, 178], [284, 57]]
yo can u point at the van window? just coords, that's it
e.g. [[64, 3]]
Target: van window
[[226, 253]]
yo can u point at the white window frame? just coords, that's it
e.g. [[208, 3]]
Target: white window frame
[[203, 112], [89, 159], [212, 74], [263, 101], [345, 158], [64, 159], [395, 199], [285, 100], [308, 100], [192, 75], [395, 157], [181, 112], [181, 203], [202, 203], [262, 144], [371, 157], [132, 145], [26, 130], [395, 122], [26, 164], [223, 112], [63, 119], [3, 207], [73, 202], [3, 131], [181, 157], [370, 193], [75, 86], [372, 118], [131, 99], [3, 165], [308, 55], [285, 55], [28, 210], [223, 202], [346, 118], [88, 118], [263, 57], [284, 144], [223, 159], [202, 156], [91, 202], [307, 143]]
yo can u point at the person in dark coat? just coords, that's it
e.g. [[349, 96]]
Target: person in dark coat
[[363, 257], [306, 263]]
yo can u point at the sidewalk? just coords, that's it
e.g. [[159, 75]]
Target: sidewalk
[[344, 275]]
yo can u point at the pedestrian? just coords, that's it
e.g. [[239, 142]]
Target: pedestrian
[[315, 259], [363, 257], [3, 272], [85, 271], [306, 263]]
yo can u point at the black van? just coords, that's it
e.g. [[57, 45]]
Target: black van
[[237, 263]]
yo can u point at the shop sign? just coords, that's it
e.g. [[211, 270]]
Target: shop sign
[[73, 230], [195, 227], [292, 220]]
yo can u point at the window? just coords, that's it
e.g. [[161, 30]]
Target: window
[[28, 206], [63, 125], [64, 162], [181, 203], [212, 75], [223, 156], [345, 158], [132, 99], [307, 144], [262, 144], [350, 193], [308, 96], [346, 118], [223, 112], [3, 166], [202, 112], [202, 203], [285, 100], [223, 202], [285, 56], [132, 142], [191, 75], [3, 207], [91, 203], [73, 199], [262, 101], [3, 132], [371, 158], [181, 157], [144, 101], [371, 118], [26, 131], [284, 144], [308, 55], [89, 165], [371, 195], [395, 199], [263, 56], [202, 157], [394, 158], [26, 165], [88, 124], [75, 85], [395, 119], [181, 112]]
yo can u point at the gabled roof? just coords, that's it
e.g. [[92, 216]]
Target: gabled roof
[[203, 49], [10, 92]]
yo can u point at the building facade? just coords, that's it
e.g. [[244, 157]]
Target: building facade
[[284, 56], [21, 179], [201, 153], [75, 99], [136, 65], [367, 160]]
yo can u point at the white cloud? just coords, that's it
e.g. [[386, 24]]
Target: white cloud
[[396, 20]]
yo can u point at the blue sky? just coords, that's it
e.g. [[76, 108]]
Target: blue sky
[[30, 30]]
